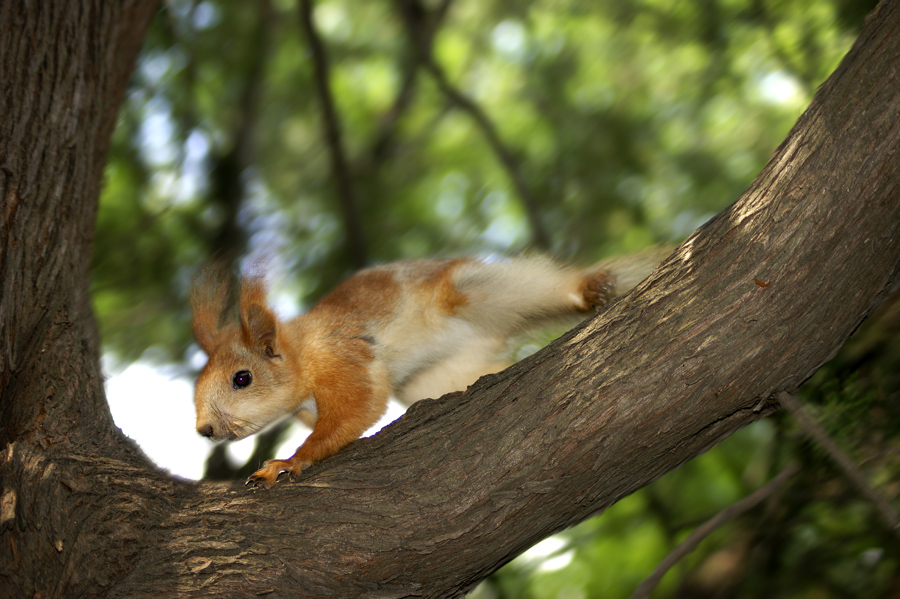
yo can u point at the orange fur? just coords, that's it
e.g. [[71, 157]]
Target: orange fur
[[410, 329]]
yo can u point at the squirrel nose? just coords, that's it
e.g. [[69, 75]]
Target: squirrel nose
[[206, 430]]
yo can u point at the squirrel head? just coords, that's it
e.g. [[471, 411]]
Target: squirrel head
[[246, 383]]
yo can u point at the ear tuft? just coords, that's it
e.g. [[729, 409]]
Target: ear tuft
[[259, 327], [209, 303]]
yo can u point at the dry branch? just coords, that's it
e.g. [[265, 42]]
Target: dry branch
[[850, 470], [388, 125], [422, 45], [707, 528]]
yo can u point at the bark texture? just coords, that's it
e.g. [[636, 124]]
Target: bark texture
[[751, 305], [65, 68]]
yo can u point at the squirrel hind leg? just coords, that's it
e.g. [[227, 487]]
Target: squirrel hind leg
[[598, 289], [480, 356]]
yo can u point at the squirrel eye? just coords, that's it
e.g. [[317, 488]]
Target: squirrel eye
[[241, 379]]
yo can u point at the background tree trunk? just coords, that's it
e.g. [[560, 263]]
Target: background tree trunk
[[749, 306]]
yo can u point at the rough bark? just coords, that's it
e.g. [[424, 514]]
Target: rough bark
[[65, 67], [749, 306]]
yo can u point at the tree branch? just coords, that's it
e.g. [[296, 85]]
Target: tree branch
[[707, 528], [853, 474], [422, 45], [388, 124]]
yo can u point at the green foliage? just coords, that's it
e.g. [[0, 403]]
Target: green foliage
[[629, 122]]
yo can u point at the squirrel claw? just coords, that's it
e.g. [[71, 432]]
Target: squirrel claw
[[260, 482], [267, 476]]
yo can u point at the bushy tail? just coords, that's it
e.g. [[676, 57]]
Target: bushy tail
[[631, 269], [506, 296]]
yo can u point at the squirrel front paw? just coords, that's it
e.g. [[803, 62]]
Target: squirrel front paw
[[266, 476]]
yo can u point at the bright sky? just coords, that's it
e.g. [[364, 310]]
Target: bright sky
[[157, 411]]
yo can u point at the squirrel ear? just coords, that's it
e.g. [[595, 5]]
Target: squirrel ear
[[209, 301], [259, 327]]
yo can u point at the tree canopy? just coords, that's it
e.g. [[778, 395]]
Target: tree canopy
[[621, 125]]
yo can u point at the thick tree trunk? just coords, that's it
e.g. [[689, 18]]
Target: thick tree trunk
[[749, 306], [65, 66]]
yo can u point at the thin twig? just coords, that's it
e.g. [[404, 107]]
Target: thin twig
[[850, 470], [705, 529], [387, 129], [422, 44], [339, 165]]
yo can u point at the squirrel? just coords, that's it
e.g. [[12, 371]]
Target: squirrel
[[411, 330]]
